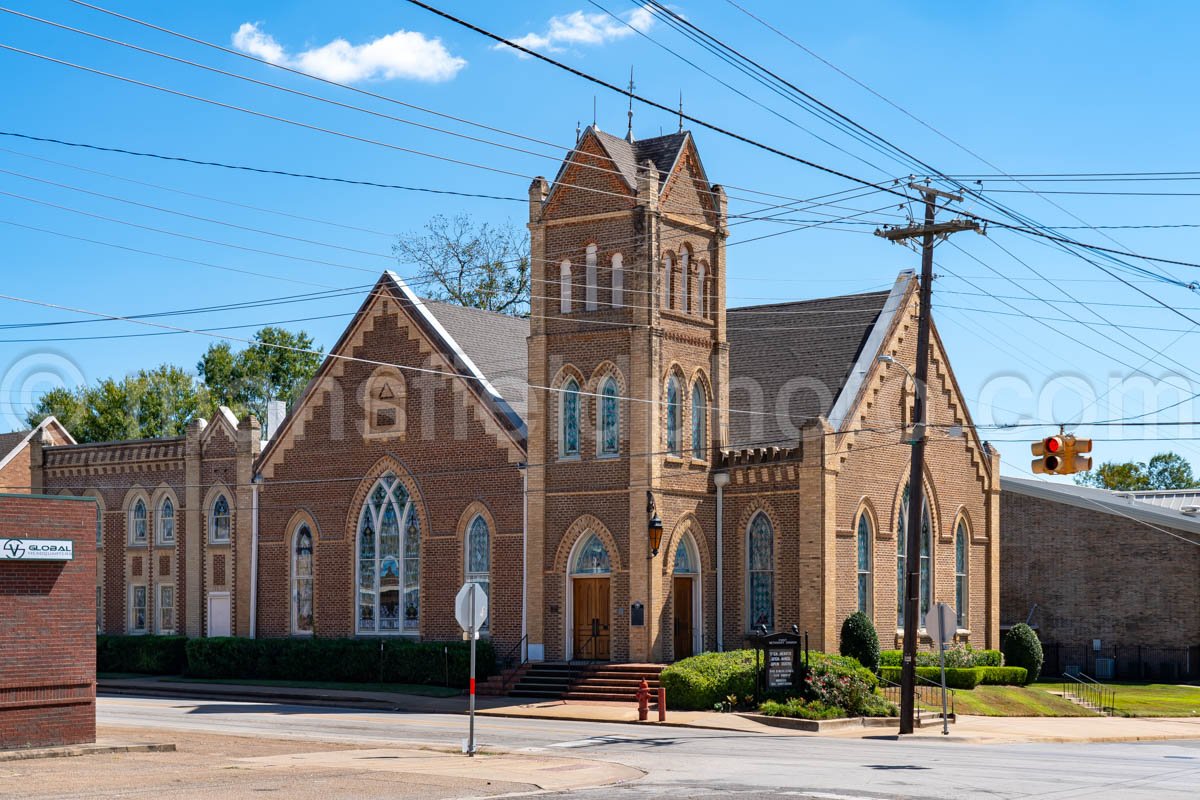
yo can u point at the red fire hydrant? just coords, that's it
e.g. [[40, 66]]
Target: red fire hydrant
[[643, 698]]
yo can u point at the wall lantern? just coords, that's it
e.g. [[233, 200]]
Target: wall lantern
[[655, 525]]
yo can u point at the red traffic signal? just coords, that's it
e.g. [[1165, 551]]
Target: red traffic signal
[[1061, 455]]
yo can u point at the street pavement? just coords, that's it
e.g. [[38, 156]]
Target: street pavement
[[683, 763]]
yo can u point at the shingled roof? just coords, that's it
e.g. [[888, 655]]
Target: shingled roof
[[662, 151], [495, 343], [789, 362]]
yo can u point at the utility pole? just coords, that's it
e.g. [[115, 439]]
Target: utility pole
[[929, 232]]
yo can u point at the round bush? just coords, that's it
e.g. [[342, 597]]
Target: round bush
[[860, 641], [701, 682], [1022, 649]]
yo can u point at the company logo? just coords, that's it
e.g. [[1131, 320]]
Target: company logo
[[14, 548]]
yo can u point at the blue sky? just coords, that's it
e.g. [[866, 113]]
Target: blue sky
[[1047, 87]]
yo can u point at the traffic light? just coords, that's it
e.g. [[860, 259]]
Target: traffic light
[[1050, 452], [1061, 455]]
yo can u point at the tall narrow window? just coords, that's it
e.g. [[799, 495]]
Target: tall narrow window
[[761, 552], [667, 268], [960, 573], [569, 419], [479, 557], [618, 280], [683, 280], [389, 560], [166, 522], [302, 581], [699, 423], [924, 555], [564, 287], [137, 523], [590, 277], [218, 529], [610, 419], [864, 563], [137, 609], [673, 446], [165, 607], [701, 290]]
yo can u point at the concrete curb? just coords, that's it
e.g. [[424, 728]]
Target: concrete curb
[[72, 750]]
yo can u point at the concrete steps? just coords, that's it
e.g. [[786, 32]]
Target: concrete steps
[[495, 686], [607, 682]]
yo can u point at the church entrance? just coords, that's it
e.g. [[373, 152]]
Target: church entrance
[[591, 622], [684, 633], [685, 599]]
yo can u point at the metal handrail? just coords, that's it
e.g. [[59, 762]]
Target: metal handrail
[[937, 701], [922, 692], [509, 657], [1090, 693]]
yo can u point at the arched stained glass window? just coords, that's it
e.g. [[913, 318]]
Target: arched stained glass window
[[389, 560], [137, 523], [219, 523], [618, 280], [592, 558], [479, 557], [960, 573], [683, 280], [610, 419], [668, 269], [761, 551], [673, 446], [685, 562], [701, 289], [925, 556], [166, 522], [699, 422], [302, 580], [864, 562], [569, 422]]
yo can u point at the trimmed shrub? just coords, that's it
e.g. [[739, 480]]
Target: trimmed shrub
[[800, 709], [701, 682], [841, 682], [964, 656], [339, 660], [956, 677], [148, 655], [1004, 676], [1022, 649], [859, 640]]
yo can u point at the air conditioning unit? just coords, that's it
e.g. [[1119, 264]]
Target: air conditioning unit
[[1106, 669]]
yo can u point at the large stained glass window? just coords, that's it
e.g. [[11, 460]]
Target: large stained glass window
[[389, 560], [219, 524], [699, 423], [685, 563], [761, 546], [479, 557], [610, 419], [960, 573], [864, 563], [569, 424], [673, 417], [302, 581], [925, 556]]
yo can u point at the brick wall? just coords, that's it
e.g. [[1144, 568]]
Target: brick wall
[[47, 634]]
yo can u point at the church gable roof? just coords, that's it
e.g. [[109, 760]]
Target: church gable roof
[[662, 151], [495, 343]]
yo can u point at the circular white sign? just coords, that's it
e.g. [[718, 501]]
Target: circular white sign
[[462, 607]]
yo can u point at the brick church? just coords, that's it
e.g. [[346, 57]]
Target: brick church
[[635, 472]]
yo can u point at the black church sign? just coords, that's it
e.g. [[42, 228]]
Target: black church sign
[[783, 661]]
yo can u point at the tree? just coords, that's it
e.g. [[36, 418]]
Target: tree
[[1165, 471], [471, 264], [860, 641], [276, 367], [1022, 648]]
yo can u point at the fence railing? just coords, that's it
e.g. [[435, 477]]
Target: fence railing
[[1090, 693], [928, 697], [1123, 662]]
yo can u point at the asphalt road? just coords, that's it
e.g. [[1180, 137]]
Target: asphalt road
[[689, 763]]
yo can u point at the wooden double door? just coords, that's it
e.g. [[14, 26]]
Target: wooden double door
[[685, 631], [590, 619]]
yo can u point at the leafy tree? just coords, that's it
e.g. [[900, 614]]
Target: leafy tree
[[860, 641], [276, 367], [469, 263], [1165, 471], [1022, 648]]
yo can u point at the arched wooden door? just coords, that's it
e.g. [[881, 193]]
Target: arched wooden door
[[591, 619]]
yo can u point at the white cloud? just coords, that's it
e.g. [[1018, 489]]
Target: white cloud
[[583, 28], [403, 54]]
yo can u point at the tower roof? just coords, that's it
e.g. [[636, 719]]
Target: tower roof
[[662, 151]]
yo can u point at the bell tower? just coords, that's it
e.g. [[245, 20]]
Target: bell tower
[[627, 370]]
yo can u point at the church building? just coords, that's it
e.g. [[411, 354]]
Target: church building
[[635, 472]]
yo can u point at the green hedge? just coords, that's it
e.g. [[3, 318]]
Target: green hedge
[[339, 660], [701, 682], [1005, 676], [955, 657], [956, 677], [149, 655]]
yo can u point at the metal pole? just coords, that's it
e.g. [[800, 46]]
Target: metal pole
[[912, 576], [942, 661], [473, 634]]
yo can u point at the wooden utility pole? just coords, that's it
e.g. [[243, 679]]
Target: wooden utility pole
[[929, 232]]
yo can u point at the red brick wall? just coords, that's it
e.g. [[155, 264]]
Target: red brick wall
[[47, 633]]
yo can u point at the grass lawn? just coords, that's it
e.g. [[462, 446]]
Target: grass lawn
[[1014, 701], [1149, 699], [421, 690]]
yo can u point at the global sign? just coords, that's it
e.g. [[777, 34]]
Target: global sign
[[37, 550]]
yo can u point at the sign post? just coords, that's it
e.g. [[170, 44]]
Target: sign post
[[941, 623], [470, 609]]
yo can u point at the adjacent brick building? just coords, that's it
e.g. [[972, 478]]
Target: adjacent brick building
[[1110, 580], [438, 444], [47, 643], [15, 449]]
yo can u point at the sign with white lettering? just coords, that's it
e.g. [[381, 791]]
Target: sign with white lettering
[[37, 550], [781, 667]]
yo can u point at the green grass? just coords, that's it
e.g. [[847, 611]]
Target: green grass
[[1013, 701], [420, 690], [1148, 699]]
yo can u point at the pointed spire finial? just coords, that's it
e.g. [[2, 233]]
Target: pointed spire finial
[[681, 111], [629, 132], [578, 131]]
